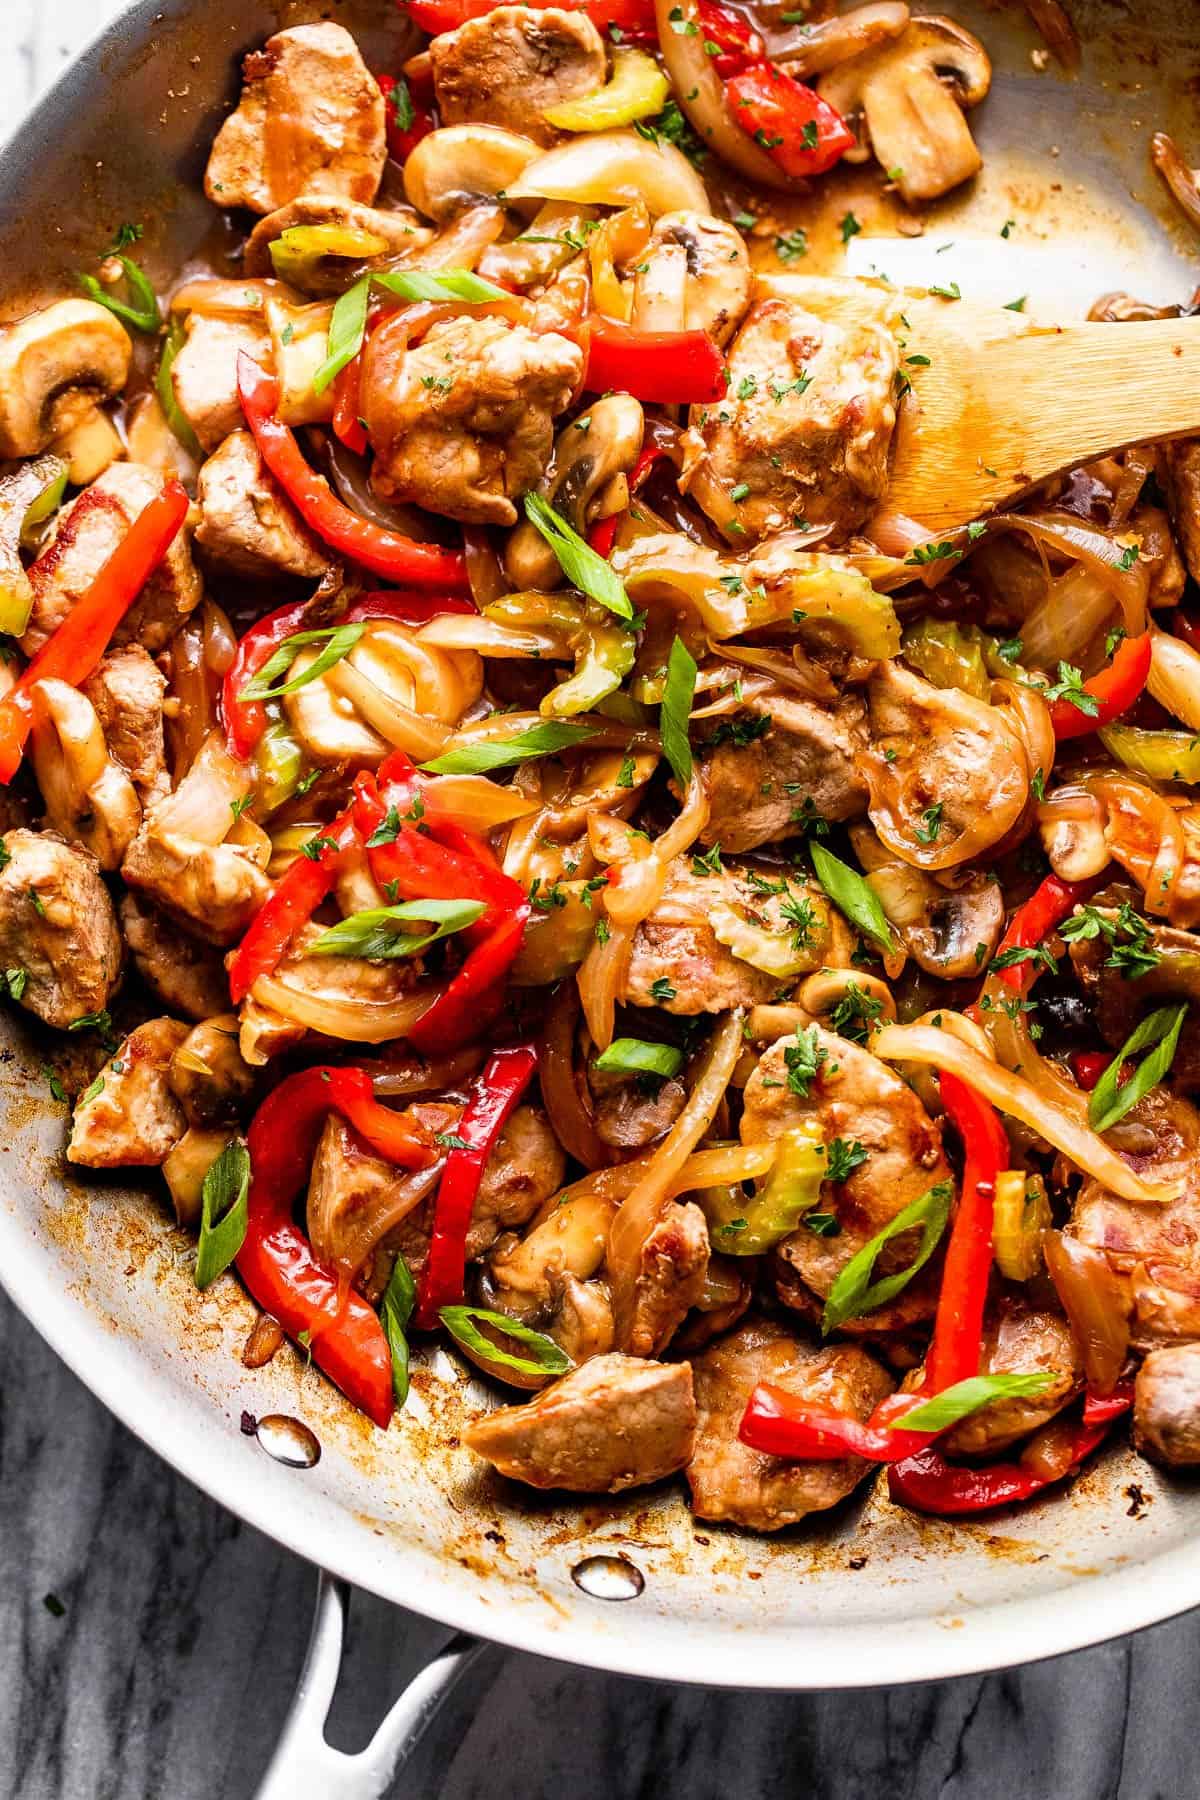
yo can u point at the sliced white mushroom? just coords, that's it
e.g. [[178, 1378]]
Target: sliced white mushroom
[[911, 92], [604, 442], [88, 799], [56, 366], [704, 262], [816, 48], [89, 447], [614, 168], [452, 168]]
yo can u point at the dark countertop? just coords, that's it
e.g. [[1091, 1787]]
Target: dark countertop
[[169, 1672]]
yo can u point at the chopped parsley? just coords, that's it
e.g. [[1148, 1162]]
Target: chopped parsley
[[1126, 932], [931, 824], [803, 1059], [1069, 687], [850, 227], [708, 864], [661, 990], [854, 1012], [791, 245], [844, 1156]]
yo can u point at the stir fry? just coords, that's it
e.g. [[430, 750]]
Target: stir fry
[[534, 849]]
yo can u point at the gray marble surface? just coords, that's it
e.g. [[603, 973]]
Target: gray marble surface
[[168, 1671]]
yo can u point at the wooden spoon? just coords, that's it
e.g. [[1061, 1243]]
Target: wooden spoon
[[1003, 401]]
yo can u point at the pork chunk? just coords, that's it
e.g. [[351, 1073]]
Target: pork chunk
[[354, 1196], [57, 924], [247, 525], [731, 1481], [1166, 1406], [679, 959], [1180, 463], [806, 763], [129, 1117], [87, 533], [204, 374], [618, 1422], [207, 1075], [805, 425], [126, 688], [1020, 1339], [1157, 1248], [669, 1281], [855, 1097], [463, 423], [507, 67], [184, 974], [213, 889], [310, 121]]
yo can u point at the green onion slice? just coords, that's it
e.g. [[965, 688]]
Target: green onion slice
[[225, 1210], [678, 695], [164, 388], [338, 640], [544, 1357], [1111, 1099], [399, 1298], [955, 1403], [143, 315], [379, 932], [854, 896], [635, 1056], [348, 325], [854, 1293], [505, 753], [581, 565]]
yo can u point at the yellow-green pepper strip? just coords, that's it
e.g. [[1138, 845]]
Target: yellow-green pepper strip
[[638, 89], [278, 767], [164, 389], [29, 487], [1163, 755], [295, 250], [743, 1227]]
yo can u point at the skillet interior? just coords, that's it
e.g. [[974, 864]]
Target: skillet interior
[[866, 1596]]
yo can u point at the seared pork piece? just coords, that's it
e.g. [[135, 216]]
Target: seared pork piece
[[247, 525], [400, 231], [524, 1169], [672, 1265], [184, 974], [679, 958], [204, 374], [1020, 1339], [207, 1074], [129, 1117], [57, 925], [948, 775], [507, 67], [630, 1112], [618, 1422], [86, 534], [213, 889], [859, 1099], [463, 423], [731, 1481], [805, 425], [1166, 1406], [1179, 462], [355, 1196], [126, 689], [806, 763], [1155, 1248], [310, 121]]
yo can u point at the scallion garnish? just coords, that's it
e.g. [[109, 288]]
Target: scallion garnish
[[224, 1204], [635, 1056]]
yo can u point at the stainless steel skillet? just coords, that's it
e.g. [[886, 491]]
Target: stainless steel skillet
[[870, 1596]]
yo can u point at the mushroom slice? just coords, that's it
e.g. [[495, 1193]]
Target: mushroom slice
[[56, 365], [613, 168], [911, 93], [812, 49], [452, 168], [605, 442], [949, 931], [89, 447], [88, 799], [717, 278]]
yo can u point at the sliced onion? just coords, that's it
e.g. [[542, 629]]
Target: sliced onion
[[473, 802], [895, 533], [1094, 1300], [346, 1235], [1074, 609], [201, 808], [400, 725], [221, 299], [1175, 172], [1143, 832], [1098, 551], [1029, 717], [562, 1089], [460, 631], [484, 570], [266, 1337], [614, 168], [358, 1021], [601, 979], [700, 91], [640, 1211], [1016, 1097], [1175, 677], [723, 1165], [1054, 23]]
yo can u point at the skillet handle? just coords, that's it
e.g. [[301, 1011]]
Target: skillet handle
[[305, 1766]]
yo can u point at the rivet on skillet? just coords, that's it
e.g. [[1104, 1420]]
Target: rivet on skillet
[[289, 1441], [608, 1577]]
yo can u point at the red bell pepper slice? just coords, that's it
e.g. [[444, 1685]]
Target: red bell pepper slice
[[957, 1343], [348, 427], [405, 608], [1088, 1066], [475, 992], [929, 1484], [783, 1424], [276, 1260], [246, 720], [668, 366], [1116, 688], [799, 130], [494, 1098], [634, 19], [601, 535], [402, 140], [1031, 924], [384, 552], [298, 893], [72, 652], [731, 35]]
